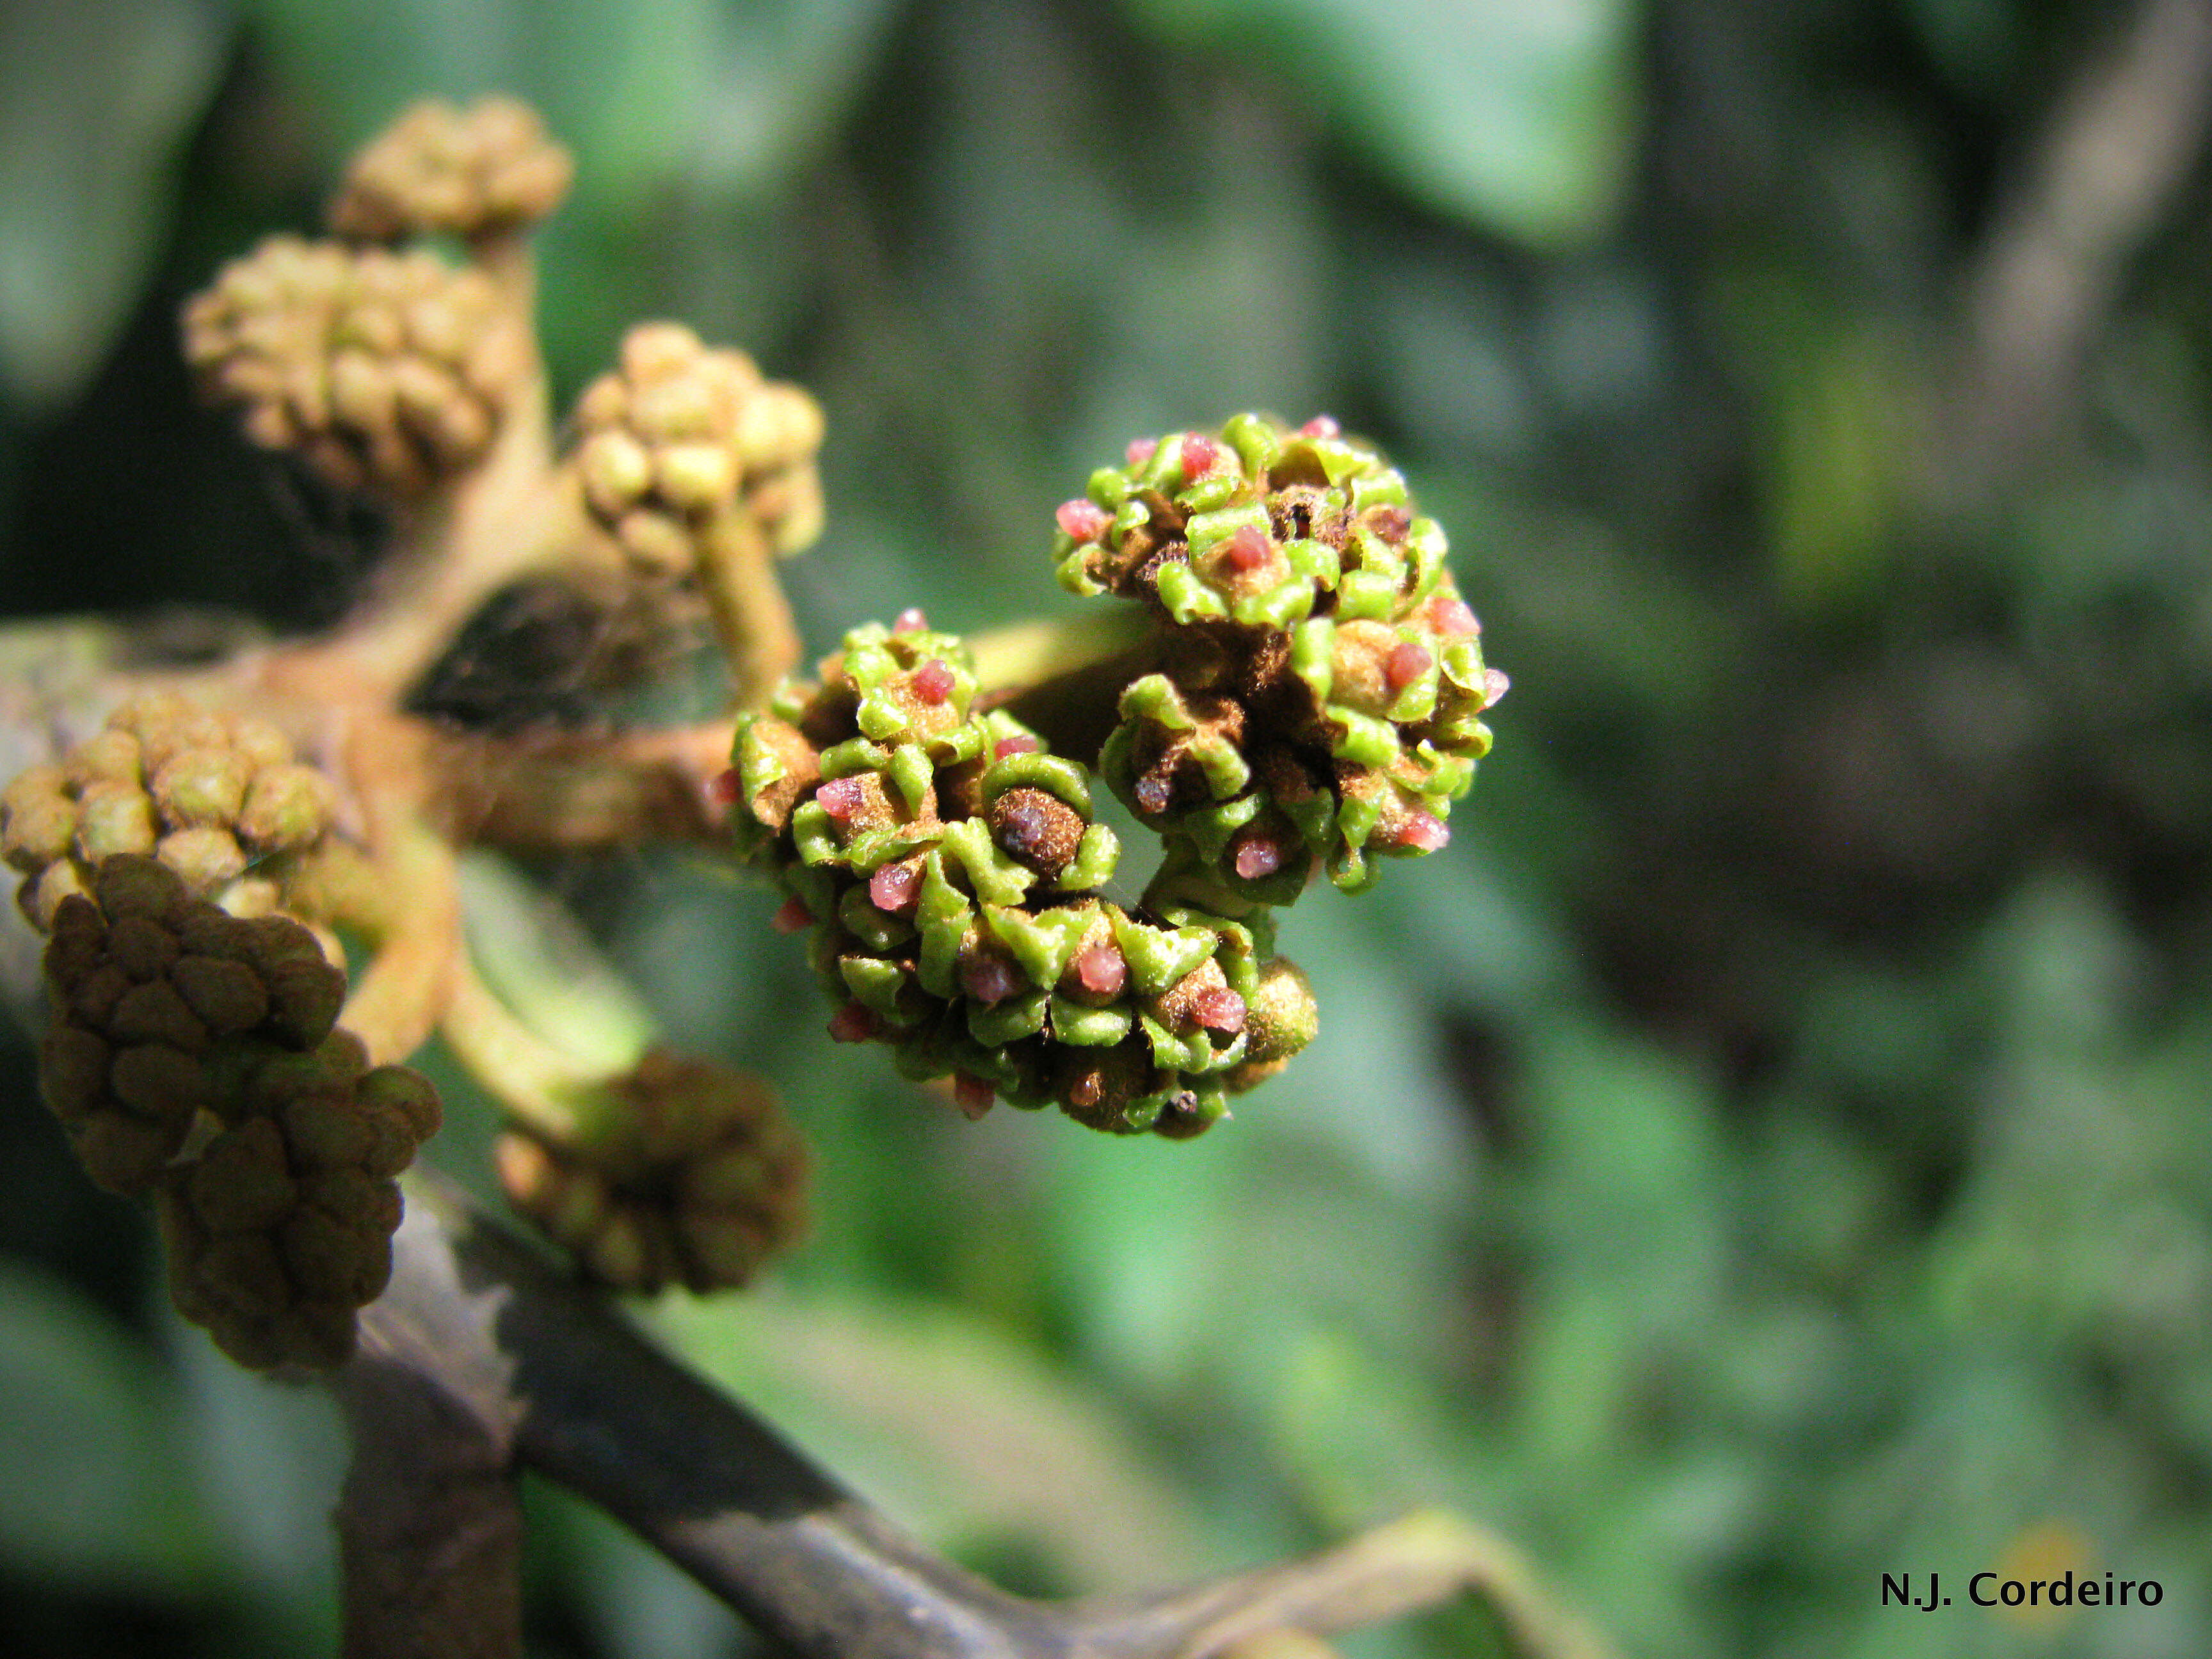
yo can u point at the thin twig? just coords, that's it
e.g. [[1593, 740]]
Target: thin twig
[[2119, 145]]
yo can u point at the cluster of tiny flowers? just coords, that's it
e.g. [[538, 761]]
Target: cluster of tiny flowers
[[949, 870], [1321, 682], [382, 369], [194, 1054], [206, 794], [680, 432], [699, 1180], [486, 171]]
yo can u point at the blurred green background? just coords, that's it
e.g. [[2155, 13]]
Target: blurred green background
[[1766, 1150]]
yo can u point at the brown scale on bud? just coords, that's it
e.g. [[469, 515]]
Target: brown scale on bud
[[282, 1228], [486, 171], [383, 371], [701, 1181], [163, 1003], [798, 769], [681, 432], [1037, 827], [208, 794]]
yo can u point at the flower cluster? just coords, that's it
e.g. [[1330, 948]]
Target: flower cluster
[[195, 1053], [382, 369], [206, 794], [699, 1179], [486, 171], [679, 432], [1322, 683], [950, 869], [1311, 695]]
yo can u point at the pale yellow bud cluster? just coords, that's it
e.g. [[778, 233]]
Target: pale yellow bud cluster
[[486, 171], [699, 1178], [680, 434], [386, 371], [206, 794]]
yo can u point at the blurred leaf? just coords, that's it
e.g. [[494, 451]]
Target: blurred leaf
[[1516, 116], [95, 99], [94, 1495], [652, 95], [949, 1425]]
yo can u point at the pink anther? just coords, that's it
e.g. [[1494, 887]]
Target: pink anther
[[988, 979], [1451, 617], [1101, 968], [854, 1023], [1140, 451], [910, 621], [1321, 426], [792, 918], [895, 889], [1248, 550], [1200, 452], [1407, 663], [840, 798], [932, 682], [1084, 520], [1257, 854], [1219, 1009]]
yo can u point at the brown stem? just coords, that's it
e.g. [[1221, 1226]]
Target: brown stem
[[510, 514], [430, 1530], [599, 789]]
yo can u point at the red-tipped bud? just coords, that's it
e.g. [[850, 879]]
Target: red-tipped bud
[[910, 621], [1020, 744], [988, 979], [1257, 854], [1248, 550], [854, 1023], [840, 798], [1422, 832], [1219, 1009], [1140, 451], [1495, 684], [1100, 969], [792, 918], [1321, 426], [1451, 618], [932, 682], [1200, 452], [895, 889], [1407, 663], [1084, 520], [972, 1095]]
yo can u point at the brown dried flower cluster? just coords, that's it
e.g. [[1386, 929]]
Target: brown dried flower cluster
[[700, 1179]]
